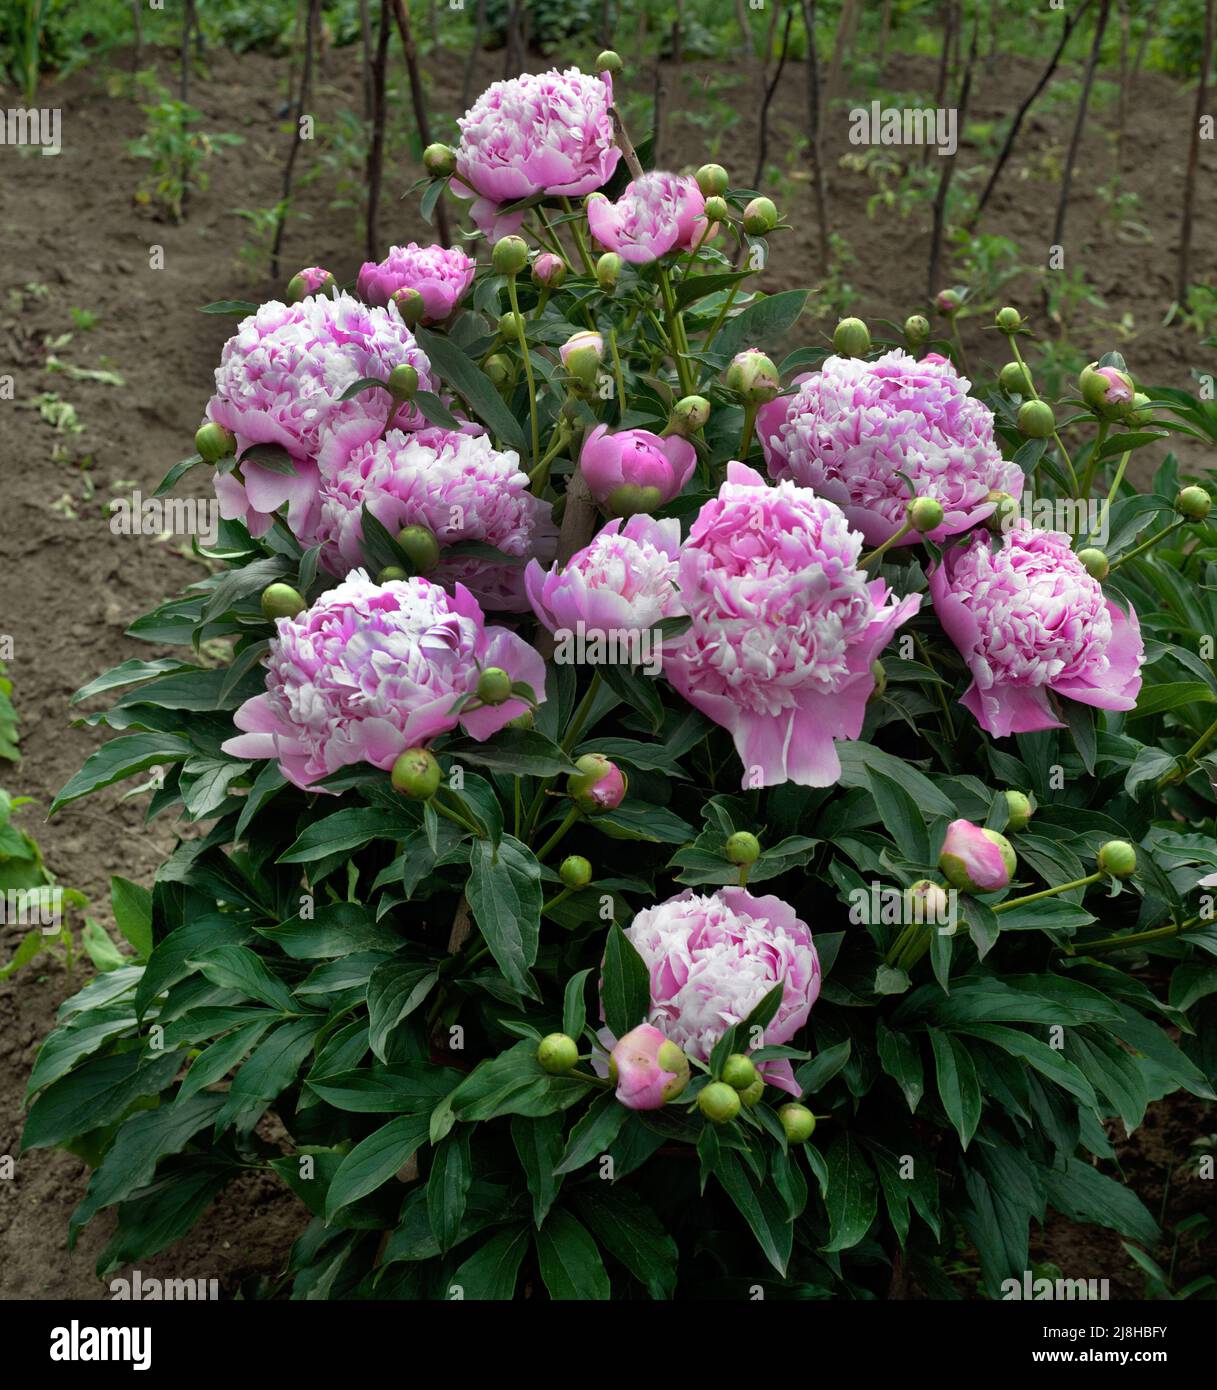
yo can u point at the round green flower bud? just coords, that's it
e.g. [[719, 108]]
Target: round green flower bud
[[1095, 563], [282, 601], [1015, 379], [497, 368], [751, 1095], [1118, 858], [717, 210], [1036, 420], [879, 672], [712, 180], [402, 382], [608, 61], [522, 721], [608, 268], [1140, 414], [390, 573], [760, 216], [494, 686], [851, 338], [743, 847], [510, 255], [630, 499], [916, 329], [1004, 513], [753, 377], [1193, 503], [575, 871], [416, 774], [948, 302], [925, 514], [798, 1122], [421, 547], [410, 305], [213, 442], [1009, 320], [739, 1072], [439, 160], [719, 1102], [558, 1053], [510, 324], [689, 415], [1019, 809]]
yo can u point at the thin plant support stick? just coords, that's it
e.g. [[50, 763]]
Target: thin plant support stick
[[1075, 143], [818, 187], [306, 83], [376, 146], [365, 31], [1193, 158], [187, 25], [475, 50], [402, 15], [948, 172], [770, 88]]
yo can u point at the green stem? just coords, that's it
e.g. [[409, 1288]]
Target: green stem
[[1117, 943], [567, 821], [745, 442], [1048, 892], [1177, 774], [556, 899], [617, 374], [873, 555], [539, 476], [455, 816], [1035, 395], [1092, 464], [1145, 545], [1115, 487], [676, 336], [532, 388], [584, 254], [579, 719]]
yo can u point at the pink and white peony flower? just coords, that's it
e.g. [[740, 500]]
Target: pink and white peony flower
[[280, 381], [853, 427], [441, 275], [546, 132], [633, 470], [371, 670], [655, 214], [713, 957], [457, 485], [785, 627], [1029, 620]]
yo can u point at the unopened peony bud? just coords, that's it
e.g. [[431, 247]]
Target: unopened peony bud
[[416, 774], [916, 329], [522, 721], [421, 547], [719, 1102], [608, 61], [439, 160], [1019, 809], [1118, 858], [712, 180], [548, 270], [1015, 379], [879, 672], [743, 848], [927, 901], [1193, 503], [510, 255], [948, 302], [282, 601], [739, 1072], [1009, 320], [976, 860], [925, 514], [608, 269], [760, 216], [717, 210], [410, 305], [753, 377], [213, 442], [558, 1053], [851, 338], [1107, 390], [1036, 420], [510, 324], [391, 573], [314, 280], [582, 354], [497, 368], [689, 415], [1004, 513], [648, 1069], [575, 872], [402, 382], [751, 1095], [1140, 414], [1095, 563], [798, 1122], [494, 686], [597, 785]]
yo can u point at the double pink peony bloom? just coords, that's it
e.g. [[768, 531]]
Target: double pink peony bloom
[[280, 381], [546, 132], [373, 669], [1029, 620], [442, 276], [635, 470], [785, 627], [854, 427], [713, 958], [655, 214]]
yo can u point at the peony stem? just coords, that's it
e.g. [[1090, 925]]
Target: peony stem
[[617, 374], [577, 231], [1115, 487], [568, 820], [1177, 774], [1145, 545], [522, 338], [745, 442], [1048, 892], [676, 336], [455, 816], [539, 476], [580, 716], [873, 555], [1092, 464], [1035, 395], [1116, 943]]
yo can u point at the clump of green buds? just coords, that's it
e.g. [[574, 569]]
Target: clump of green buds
[[575, 872], [916, 330], [1019, 810], [753, 377], [1193, 503], [851, 338], [743, 847], [416, 774], [281, 601], [558, 1053], [402, 382], [719, 1102], [760, 216], [213, 442], [1036, 420], [439, 160], [1094, 562], [494, 686], [510, 255], [713, 181], [1118, 858], [1008, 320], [420, 546], [925, 514]]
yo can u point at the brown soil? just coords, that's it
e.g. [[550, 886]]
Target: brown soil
[[73, 237]]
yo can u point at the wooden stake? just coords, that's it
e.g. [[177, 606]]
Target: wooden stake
[[418, 98], [1182, 285]]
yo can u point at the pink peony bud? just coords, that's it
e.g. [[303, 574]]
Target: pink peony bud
[[582, 354], [548, 270], [649, 1070], [598, 785], [976, 860], [634, 470], [314, 279]]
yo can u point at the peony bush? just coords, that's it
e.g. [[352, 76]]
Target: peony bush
[[686, 807]]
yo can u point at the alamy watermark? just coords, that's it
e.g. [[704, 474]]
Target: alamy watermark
[[32, 907], [32, 126], [893, 125], [614, 646], [1060, 1290], [139, 1289], [138, 515], [883, 905]]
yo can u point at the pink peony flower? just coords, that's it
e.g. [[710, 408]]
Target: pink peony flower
[[635, 470], [457, 485], [546, 132], [1028, 619], [280, 381], [371, 670], [650, 1070], [785, 627], [655, 214], [976, 860], [713, 958], [854, 427], [624, 581], [441, 275]]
